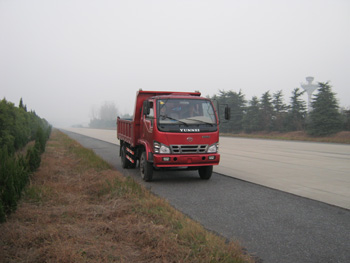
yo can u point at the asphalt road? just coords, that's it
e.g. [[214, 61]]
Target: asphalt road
[[273, 225], [320, 171]]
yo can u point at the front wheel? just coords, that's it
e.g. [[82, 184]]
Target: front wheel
[[205, 172], [146, 168]]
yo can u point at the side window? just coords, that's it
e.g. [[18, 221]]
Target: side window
[[208, 111], [150, 116], [151, 112]]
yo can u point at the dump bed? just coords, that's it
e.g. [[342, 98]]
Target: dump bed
[[125, 130]]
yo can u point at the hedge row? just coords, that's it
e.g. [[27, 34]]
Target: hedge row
[[17, 128]]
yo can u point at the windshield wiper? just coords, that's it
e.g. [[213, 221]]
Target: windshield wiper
[[173, 119], [200, 121]]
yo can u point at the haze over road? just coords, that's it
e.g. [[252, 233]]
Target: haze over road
[[320, 171]]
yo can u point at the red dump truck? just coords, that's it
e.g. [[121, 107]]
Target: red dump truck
[[170, 130]]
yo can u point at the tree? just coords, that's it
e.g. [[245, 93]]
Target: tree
[[106, 116], [108, 112], [236, 102], [346, 118], [21, 105], [237, 110], [325, 118], [252, 121], [279, 111], [266, 111], [295, 120]]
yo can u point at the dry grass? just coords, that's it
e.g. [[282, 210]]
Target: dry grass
[[77, 209], [340, 137]]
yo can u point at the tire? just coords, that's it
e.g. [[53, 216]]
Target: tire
[[125, 162], [132, 165], [146, 168], [205, 172]]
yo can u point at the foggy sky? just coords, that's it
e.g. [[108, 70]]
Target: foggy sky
[[66, 57]]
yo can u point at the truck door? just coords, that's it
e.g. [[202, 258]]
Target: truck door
[[147, 123]]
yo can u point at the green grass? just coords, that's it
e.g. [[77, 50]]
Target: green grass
[[88, 158]]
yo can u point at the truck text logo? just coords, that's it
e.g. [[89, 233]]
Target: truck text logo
[[190, 130]]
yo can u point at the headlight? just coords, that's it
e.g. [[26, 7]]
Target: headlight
[[164, 149], [213, 148], [161, 148]]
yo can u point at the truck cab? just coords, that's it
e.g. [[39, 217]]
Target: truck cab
[[168, 130]]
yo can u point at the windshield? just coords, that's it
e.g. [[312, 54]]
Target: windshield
[[185, 112]]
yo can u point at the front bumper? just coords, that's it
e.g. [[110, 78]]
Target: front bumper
[[182, 160]]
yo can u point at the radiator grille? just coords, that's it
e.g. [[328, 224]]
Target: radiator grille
[[183, 149]]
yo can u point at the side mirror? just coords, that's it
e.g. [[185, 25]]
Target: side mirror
[[227, 113], [146, 107]]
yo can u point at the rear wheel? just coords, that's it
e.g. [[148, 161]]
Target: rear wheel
[[125, 162], [205, 172], [132, 165], [146, 168]]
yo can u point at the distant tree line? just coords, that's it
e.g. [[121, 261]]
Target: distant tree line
[[270, 113], [105, 117], [18, 127]]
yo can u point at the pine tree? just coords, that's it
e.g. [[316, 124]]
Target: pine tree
[[279, 111], [21, 104], [346, 119], [236, 102], [237, 105], [297, 112], [252, 121], [266, 111], [325, 118]]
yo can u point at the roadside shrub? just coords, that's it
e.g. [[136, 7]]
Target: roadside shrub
[[40, 140], [8, 193], [17, 128], [33, 158], [2, 213], [14, 176], [21, 175]]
